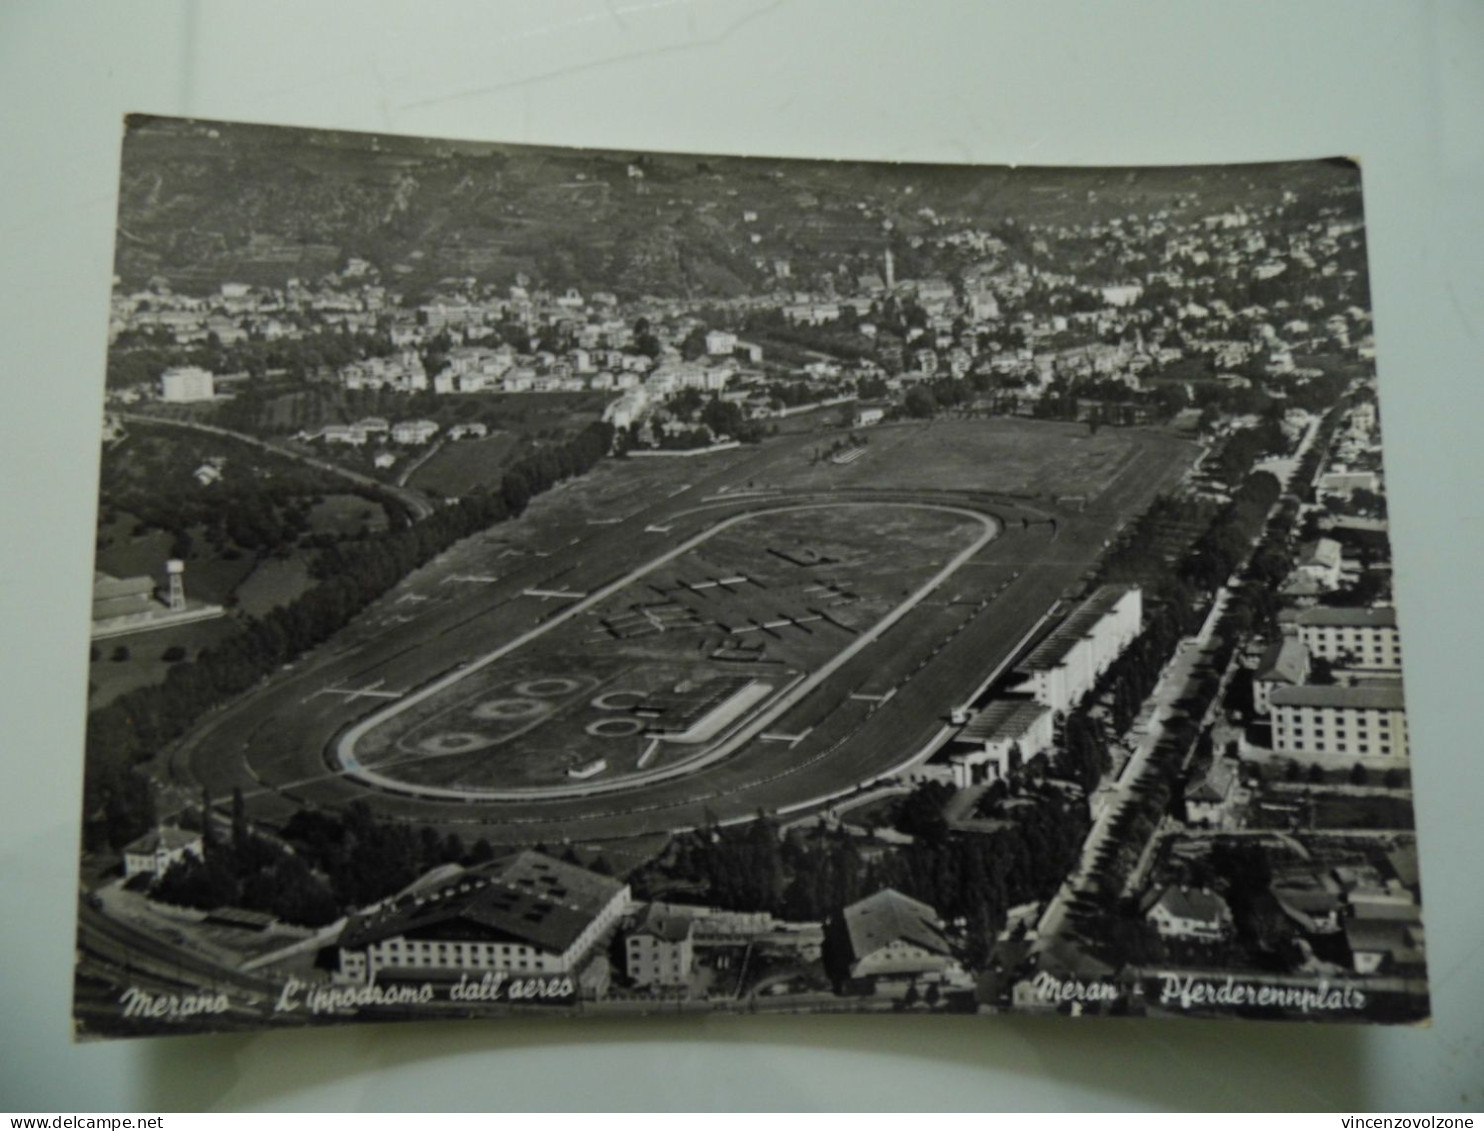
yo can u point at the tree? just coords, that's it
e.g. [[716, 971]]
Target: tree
[[173, 654], [120, 654], [1358, 774], [239, 819], [920, 402]]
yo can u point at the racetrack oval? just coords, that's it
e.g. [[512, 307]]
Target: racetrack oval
[[347, 762]]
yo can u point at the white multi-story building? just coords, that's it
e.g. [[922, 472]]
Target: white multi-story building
[[527, 914], [660, 950], [1361, 638], [720, 342], [1064, 666], [1338, 725], [186, 383]]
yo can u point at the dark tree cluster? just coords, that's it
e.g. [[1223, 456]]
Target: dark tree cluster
[[810, 876]]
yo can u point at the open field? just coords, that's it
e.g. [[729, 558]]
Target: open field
[[272, 583], [999, 454], [872, 712], [468, 465], [346, 515], [672, 658], [109, 678]]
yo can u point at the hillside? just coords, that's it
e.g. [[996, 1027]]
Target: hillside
[[206, 202]]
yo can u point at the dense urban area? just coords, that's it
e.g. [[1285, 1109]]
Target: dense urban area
[[536, 579]]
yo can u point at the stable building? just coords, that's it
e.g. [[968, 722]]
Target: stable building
[[1338, 726], [527, 914]]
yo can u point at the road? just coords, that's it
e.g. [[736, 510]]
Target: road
[[416, 503]]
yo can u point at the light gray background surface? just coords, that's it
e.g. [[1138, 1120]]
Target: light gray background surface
[[1400, 85]]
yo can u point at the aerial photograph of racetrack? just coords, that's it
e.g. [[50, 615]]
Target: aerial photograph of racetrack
[[535, 579], [810, 633]]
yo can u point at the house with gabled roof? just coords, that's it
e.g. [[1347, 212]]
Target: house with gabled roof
[[889, 935], [1190, 913]]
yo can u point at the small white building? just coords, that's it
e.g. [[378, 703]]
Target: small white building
[[1066, 664], [413, 431], [1190, 913], [154, 852], [720, 343], [186, 384]]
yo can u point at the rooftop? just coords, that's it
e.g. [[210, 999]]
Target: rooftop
[[528, 898], [1194, 904], [1374, 696], [1054, 648], [1325, 616], [1004, 719], [168, 838], [888, 916], [1286, 660]]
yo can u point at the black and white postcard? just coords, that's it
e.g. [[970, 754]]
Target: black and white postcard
[[540, 581]]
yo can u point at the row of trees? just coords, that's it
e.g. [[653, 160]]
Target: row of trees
[[133, 727], [322, 866]]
